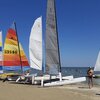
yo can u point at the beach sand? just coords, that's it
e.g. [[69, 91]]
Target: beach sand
[[12, 91]]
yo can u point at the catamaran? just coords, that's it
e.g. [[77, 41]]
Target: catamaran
[[52, 52], [14, 57], [53, 62]]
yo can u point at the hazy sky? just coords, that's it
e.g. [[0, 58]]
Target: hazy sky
[[78, 26]]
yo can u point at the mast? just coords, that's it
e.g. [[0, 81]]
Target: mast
[[18, 47], [1, 54]]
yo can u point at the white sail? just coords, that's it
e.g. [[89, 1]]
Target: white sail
[[97, 65], [1, 56], [35, 45]]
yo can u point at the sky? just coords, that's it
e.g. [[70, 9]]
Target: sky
[[78, 27]]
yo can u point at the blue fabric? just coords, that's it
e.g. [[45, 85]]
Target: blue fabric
[[0, 67], [16, 68], [0, 48]]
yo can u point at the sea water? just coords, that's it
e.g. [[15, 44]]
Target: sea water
[[75, 71], [78, 72]]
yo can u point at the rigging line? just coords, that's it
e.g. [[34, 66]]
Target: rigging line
[[35, 63], [18, 47]]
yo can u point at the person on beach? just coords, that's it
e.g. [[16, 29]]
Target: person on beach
[[24, 76], [90, 77]]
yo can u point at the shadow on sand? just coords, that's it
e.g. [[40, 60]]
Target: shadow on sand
[[98, 94], [83, 87]]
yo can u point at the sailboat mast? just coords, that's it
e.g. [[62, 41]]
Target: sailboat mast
[[1, 53], [57, 37], [18, 47]]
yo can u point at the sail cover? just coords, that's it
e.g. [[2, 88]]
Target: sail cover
[[11, 54], [1, 58], [52, 54], [97, 65], [35, 45]]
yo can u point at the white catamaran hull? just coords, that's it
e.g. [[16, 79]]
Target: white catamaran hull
[[42, 79], [96, 76], [36, 79], [64, 82], [48, 77]]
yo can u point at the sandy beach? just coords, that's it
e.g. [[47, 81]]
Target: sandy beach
[[12, 91]]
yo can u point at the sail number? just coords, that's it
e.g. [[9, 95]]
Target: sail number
[[10, 51]]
